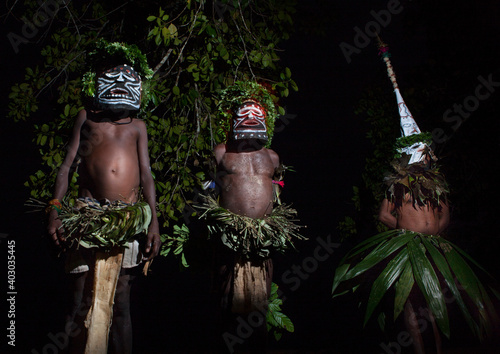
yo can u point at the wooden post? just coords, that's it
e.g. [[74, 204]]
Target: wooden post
[[100, 315], [249, 287]]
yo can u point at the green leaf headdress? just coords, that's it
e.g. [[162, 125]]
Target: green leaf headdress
[[233, 96], [106, 54]]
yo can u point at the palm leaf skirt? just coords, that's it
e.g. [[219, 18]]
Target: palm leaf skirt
[[418, 259], [92, 224], [251, 237]]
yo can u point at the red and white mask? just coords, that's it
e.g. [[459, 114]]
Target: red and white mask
[[250, 122]]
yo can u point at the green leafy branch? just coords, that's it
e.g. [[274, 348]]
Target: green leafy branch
[[277, 321]]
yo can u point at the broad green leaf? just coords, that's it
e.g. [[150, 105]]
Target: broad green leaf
[[370, 242], [466, 256], [385, 280], [274, 292], [381, 252], [403, 288], [279, 319], [165, 32], [443, 267], [427, 281], [266, 60], [172, 29], [184, 261], [471, 284], [340, 272]]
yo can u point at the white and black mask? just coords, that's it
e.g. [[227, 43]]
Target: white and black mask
[[250, 122], [119, 88]]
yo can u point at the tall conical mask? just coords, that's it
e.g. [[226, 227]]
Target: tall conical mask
[[418, 150]]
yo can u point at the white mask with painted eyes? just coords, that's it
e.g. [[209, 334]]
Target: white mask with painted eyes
[[119, 88], [250, 122]]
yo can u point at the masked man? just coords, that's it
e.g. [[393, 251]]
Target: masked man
[[423, 268], [116, 201], [244, 219]]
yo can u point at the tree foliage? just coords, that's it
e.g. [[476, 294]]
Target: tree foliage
[[196, 49]]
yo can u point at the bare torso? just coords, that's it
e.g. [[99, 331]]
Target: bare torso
[[424, 219], [246, 181], [109, 167]]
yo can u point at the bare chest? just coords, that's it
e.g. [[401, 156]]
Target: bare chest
[[247, 164], [96, 136]]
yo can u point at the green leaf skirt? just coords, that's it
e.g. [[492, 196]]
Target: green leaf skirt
[[105, 225], [408, 258], [251, 237]]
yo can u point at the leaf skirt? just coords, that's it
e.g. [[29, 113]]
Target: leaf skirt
[[415, 260], [251, 237], [104, 225]]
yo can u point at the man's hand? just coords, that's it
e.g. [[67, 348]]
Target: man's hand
[[385, 214], [153, 244], [55, 230]]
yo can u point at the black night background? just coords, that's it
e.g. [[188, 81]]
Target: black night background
[[445, 54]]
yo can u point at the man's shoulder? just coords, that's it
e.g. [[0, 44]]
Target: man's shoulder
[[220, 148], [270, 152], [273, 156], [81, 116], [219, 151], [139, 124]]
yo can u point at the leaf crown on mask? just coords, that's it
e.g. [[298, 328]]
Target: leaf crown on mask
[[105, 55], [232, 97], [408, 141]]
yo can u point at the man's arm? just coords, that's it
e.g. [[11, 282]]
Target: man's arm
[[54, 228], [274, 158], [386, 215], [444, 216], [153, 242]]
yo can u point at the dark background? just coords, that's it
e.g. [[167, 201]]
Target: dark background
[[437, 47]]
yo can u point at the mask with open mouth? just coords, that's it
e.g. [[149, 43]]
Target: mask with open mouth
[[250, 122], [118, 88]]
